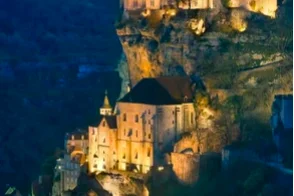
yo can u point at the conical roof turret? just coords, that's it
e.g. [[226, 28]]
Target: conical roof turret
[[106, 103]]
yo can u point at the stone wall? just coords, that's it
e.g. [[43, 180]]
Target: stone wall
[[186, 167]]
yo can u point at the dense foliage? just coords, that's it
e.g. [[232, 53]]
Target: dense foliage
[[43, 45], [58, 30]]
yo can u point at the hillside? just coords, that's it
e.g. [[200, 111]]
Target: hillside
[[236, 53]]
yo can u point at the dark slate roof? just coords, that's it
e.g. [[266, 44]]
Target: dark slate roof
[[161, 91], [78, 135], [111, 121]]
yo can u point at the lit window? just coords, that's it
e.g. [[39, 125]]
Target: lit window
[[152, 2], [72, 137], [137, 118], [160, 168], [82, 137], [124, 117]]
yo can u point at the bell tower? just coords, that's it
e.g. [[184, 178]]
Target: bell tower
[[106, 109]]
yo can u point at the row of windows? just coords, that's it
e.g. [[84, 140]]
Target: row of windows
[[136, 117], [136, 133], [73, 137], [137, 155]]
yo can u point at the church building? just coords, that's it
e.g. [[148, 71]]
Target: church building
[[148, 121]]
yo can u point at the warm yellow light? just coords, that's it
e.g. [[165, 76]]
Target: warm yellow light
[[242, 29], [160, 168], [171, 12], [146, 13]]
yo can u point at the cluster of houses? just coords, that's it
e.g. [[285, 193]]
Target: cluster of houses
[[137, 133], [266, 7], [133, 136]]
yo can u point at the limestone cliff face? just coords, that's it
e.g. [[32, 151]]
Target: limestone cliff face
[[234, 51], [163, 45]]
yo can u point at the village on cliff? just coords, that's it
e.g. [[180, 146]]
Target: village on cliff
[[162, 127]]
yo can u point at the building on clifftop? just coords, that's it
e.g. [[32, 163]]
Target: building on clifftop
[[148, 121]]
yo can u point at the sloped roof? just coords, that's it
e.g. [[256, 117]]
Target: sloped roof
[[78, 135], [161, 91], [111, 121], [106, 103]]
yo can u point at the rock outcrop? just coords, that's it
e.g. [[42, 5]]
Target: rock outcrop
[[235, 52]]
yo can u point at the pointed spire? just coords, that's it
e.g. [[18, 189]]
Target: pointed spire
[[106, 103]]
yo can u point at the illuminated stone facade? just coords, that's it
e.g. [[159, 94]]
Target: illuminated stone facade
[[266, 7], [148, 121], [158, 4], [77, 144]]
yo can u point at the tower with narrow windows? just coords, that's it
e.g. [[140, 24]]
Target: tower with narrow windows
[[106, 109]]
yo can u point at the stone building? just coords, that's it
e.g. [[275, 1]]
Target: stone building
[[196, 4], [132, 5], [77, 144], [66, 175], [148, 121], [266, 7]]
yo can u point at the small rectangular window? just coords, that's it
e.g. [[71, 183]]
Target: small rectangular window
[[192, 118], [137, 118], [124, 117], [136, 133], [149, 136], [148, 152], [152, 2]]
